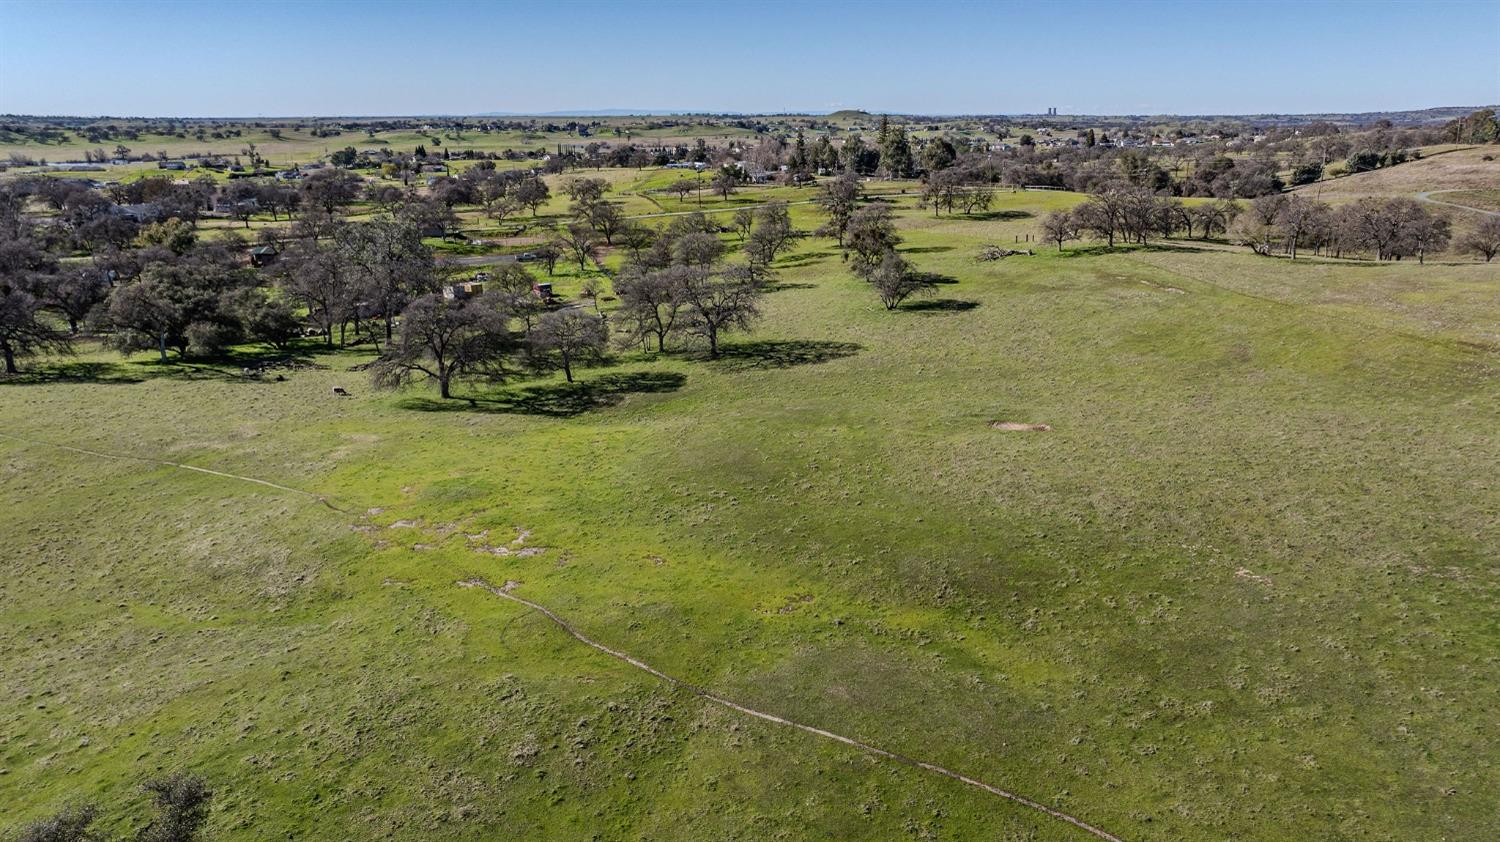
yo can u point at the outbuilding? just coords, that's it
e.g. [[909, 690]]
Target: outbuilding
[[263, 256]]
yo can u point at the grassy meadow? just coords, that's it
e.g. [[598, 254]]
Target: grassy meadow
[[1245, 586], [297, 145]]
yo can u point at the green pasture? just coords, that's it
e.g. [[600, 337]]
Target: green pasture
[[1243, 587]]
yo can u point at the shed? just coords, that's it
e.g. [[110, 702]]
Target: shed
[[263, 256]]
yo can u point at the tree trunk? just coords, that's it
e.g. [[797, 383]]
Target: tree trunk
[[444, 376], [161, 346], [10, 358], [567, 367]]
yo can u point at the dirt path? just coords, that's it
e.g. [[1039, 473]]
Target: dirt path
[[614, 653], [770, 717], [1426, 196], [123, 458]]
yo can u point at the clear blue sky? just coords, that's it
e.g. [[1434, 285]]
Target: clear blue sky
[[377, 57]]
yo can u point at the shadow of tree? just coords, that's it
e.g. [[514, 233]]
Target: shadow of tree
[[989, 216], [787, 286], [924, 249], [771, 353], [800, 260], [77, 372], [236, 365], [1120, 248], [940, 305], [556, 400]]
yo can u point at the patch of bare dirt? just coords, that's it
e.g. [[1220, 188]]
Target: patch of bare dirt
[[1018, 427], [1244, 573], [1164, 287], [516, 547]]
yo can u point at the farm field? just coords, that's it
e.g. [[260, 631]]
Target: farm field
[[288, 146], [1244, 586]]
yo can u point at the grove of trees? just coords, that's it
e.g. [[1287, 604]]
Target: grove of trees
[[1282, 223]]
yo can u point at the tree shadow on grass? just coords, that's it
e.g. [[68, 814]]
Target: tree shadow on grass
[[556, 400], [1000, 215], [772, 353], [787, 286], [924, 249], [800, 260], [940, 305], [233, 366], [1126, 248], [78, 372]]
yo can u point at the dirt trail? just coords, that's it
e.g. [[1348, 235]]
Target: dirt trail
[[614, 653], [504, 592], [124, 458], [1426, 196]]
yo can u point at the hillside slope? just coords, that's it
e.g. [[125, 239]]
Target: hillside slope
[[1464, 169]]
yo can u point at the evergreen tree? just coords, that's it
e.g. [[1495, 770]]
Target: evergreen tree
[[895, 153]]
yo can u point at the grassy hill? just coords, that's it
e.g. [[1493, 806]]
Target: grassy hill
[[1460, 169], [1244, 586]]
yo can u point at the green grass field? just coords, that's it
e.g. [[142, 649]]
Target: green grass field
[[1245, 587], [295, 146]]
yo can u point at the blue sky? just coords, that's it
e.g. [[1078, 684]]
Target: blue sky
[[374, 57]]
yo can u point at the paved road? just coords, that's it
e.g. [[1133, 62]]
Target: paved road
[[479, 260], [1426, 196]]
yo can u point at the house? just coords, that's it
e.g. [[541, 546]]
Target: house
[[227, 205], [463, 290], [261, 256], [755, 174], [143, 213], [171, 165]]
